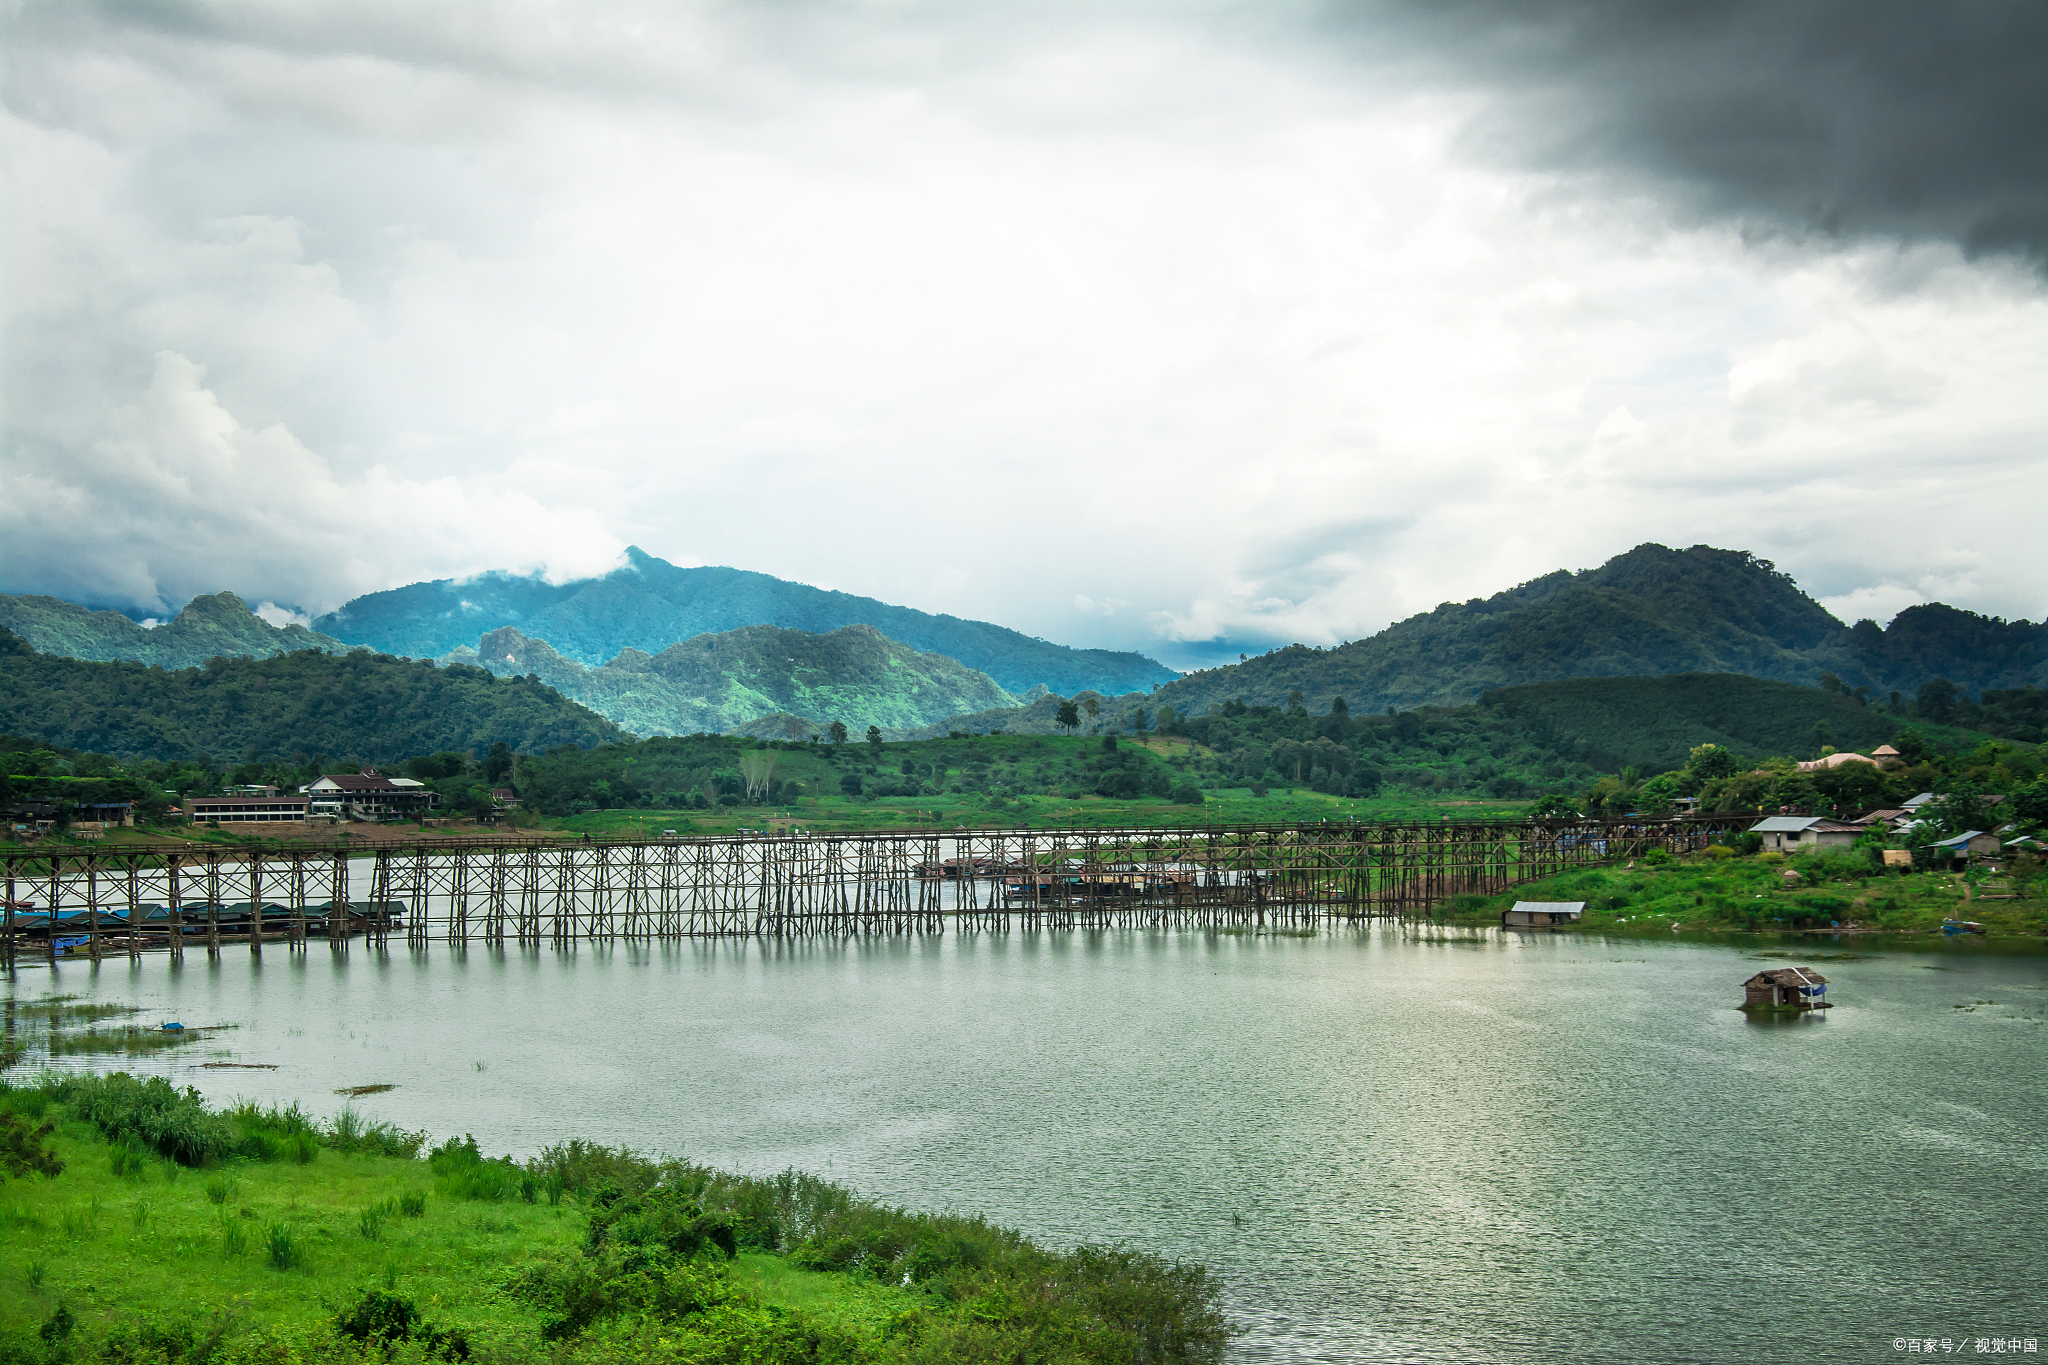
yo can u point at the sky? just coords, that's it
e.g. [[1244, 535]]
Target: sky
[[1188, 328]]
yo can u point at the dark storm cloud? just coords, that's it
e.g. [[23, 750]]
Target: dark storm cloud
[[1905, 118]]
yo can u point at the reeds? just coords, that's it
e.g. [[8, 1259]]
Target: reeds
[[370, 1222], [234, 1237], [283, 1248]]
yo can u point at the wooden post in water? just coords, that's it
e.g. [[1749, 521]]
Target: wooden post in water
[[256, 903], [174, 921], [213, 906]]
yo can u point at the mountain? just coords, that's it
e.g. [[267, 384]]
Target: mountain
[[649, 603], [360, 707], [208, 627], [1652, 610], [719, 682], [1652, 723]]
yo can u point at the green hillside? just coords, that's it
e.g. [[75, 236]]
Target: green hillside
[[371, 708], [208, 627], [1651, 611], [1651, 723], [650, 603], [716, 683]]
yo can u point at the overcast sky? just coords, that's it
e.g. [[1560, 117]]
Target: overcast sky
[[1181, 328]]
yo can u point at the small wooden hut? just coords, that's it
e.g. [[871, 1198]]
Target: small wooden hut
[[1541, 914], [1787, 988]]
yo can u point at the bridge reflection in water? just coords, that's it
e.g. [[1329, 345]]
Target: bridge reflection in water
[[494, 891]]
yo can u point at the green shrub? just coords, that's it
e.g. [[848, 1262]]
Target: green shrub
[[348, 1132], [174, 1123], [465, 1173], [412, 1205], [384, 1318], [25, 1150]]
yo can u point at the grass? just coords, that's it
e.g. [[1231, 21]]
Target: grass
[[1753, 895], [274, 1243], [278, 1262], [860, 1307]]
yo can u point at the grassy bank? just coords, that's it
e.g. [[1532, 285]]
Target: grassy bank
[[1767, 893], [139, 1227]]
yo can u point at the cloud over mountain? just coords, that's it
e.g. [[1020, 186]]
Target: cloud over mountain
[[1170, 329]]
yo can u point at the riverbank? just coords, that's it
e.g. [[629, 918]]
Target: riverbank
[[1836, 893], [160, 1230]]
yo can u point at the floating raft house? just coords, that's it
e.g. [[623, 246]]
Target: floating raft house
[[1541, 914], [1786, 988]]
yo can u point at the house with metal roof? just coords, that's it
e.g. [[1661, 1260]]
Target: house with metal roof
[[1542, 914], [1971, 844], [1804, 833], [1787, 988]]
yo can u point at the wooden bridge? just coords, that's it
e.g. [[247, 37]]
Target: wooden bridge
[[87, 902]]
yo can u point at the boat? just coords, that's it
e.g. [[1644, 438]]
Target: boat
[[1952, 927]]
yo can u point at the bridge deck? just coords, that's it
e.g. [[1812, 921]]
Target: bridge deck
[[125, 899]]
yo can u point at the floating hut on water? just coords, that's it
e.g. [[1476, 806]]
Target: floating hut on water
[[1786, 988], [1541, 914]]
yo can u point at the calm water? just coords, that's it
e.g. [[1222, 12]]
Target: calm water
[[1392, 1145]]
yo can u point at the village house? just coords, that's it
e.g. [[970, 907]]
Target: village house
[[1973, 845], [1541, 914], [367, 796], [1804, 833], [1787, 988]]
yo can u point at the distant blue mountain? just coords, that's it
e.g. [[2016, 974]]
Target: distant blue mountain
[[650, 604]]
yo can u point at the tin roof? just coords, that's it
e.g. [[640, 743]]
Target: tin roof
[[1789, 976], [1552, 907], [1784, 824]]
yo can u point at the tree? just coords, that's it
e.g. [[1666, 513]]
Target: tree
[[757, 766], [1556, 806], [2030, 803], [1958, 811], [836, 732], [1938, 700], [498, 763], [1140, 721], [1709, 761], [875, 738], [1093, 707], [1068, 717]]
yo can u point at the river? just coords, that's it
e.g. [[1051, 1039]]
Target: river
[[1393, 1144]]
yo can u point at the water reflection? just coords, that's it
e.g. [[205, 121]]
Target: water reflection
[[1394, 1143]]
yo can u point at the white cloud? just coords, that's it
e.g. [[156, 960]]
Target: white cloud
[[179, 497], [1127, 328], [281, 616]]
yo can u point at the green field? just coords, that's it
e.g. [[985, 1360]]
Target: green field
[[1716, 894], [137, 1227]]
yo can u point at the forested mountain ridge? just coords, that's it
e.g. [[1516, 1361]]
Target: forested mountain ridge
[[211, 626], [1652, 610], [650, 604], [719, 682], [359, 706]]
